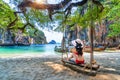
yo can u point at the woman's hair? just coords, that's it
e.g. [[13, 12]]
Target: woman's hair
[[79, 48]]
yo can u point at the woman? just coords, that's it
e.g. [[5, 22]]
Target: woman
[[77, 52]]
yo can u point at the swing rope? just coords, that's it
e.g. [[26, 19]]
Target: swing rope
[[63, 40]]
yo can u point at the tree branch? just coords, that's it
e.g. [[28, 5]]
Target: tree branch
[[23, 28], [98, 4], [53, 7], [49, 7], [14, 21]]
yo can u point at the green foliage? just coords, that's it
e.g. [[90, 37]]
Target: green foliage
[[114, 17], [6, 14], [38, 16], [84, 20], [114, 30], [32, 16], [39, 36], [41, 18], [38, 33]]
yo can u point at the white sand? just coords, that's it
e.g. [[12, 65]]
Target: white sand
[[48, 67]]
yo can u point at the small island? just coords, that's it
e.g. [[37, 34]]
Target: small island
[[52, 42]]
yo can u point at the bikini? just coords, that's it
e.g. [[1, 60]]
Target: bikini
[[79, 61]]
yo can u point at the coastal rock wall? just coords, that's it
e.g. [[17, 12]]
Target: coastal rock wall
[[18, 38]]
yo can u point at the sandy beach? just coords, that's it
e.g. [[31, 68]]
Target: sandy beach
[[49, 67]]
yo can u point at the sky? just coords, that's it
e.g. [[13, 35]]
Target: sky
[[52, 35]]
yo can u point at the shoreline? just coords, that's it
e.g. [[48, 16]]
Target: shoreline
[[57, 53], [49, 67]]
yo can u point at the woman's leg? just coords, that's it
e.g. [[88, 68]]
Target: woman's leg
[[72, 60]]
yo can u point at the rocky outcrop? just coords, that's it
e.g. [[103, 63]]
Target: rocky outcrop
[[38, 38], [52, 42], [21, 38]]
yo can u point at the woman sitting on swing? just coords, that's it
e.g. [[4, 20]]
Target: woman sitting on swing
[[76, 54]]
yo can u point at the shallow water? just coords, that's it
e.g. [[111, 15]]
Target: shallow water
[[33, 49]]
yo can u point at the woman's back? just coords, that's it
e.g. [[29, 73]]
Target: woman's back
[[77, 51], [76, 55]]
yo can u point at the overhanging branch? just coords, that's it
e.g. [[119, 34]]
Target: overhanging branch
[[50, 7], [53, 8], [14, 21], [32, 26]]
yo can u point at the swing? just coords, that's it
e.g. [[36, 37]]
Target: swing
[[83, 67], [91, 67]]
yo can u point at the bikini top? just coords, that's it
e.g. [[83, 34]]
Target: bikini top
[[78, 61]]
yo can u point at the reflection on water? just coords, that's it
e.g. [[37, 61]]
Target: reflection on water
[[36, 49]]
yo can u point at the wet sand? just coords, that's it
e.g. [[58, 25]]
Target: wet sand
[[49, 67]]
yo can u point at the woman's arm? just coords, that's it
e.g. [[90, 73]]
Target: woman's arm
[[70, 56]]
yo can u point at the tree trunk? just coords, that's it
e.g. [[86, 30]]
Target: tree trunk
[[63, 43], [78, 31]]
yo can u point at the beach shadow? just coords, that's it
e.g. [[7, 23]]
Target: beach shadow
[[109, 70], [46, 68]]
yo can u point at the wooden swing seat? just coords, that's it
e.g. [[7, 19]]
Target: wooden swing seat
[[85, 65], [84, 68]]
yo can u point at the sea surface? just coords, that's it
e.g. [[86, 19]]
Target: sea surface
[[33, 49]]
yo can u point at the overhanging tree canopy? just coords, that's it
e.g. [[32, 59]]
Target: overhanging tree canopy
[[54, 8]]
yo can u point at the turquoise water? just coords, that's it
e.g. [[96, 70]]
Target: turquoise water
[[33, 49]]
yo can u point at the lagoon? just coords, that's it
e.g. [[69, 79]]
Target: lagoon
[[32, 49]]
